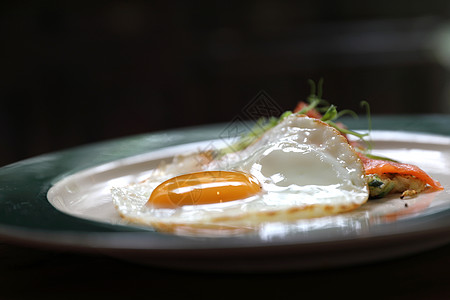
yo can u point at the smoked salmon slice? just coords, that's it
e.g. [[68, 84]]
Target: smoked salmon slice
[[376, 166]]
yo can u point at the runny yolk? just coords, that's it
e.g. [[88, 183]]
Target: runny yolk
[[203, 188]]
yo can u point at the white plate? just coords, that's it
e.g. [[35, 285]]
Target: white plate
[[379, 229], [86, 194]]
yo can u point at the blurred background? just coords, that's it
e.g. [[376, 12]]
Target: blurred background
[[73, 73]]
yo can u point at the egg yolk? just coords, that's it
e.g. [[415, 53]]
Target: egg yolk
[[203, 188]]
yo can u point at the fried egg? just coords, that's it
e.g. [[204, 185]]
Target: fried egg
[[301, 168]]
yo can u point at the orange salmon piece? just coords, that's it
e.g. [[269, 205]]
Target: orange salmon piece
[[376, 166]]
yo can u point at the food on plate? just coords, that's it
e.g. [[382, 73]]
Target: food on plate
[[384, 176], [387, 177], [300, 165], [300, 168]]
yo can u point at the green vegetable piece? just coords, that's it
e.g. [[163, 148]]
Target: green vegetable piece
[[379, 188]]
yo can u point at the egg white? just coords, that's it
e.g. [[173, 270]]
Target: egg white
[[306, 169]]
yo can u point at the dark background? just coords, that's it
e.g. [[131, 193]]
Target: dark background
[[73, 73]]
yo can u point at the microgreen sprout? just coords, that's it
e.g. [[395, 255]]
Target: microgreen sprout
[[314, 102], [330, 111]]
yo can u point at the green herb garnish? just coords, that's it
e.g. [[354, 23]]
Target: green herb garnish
[[314, 101]]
